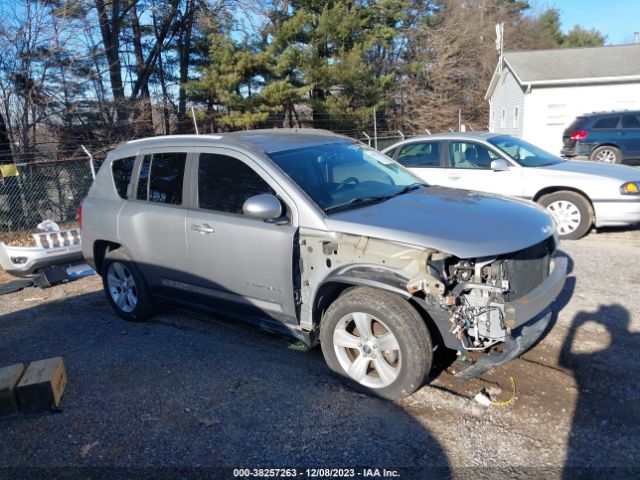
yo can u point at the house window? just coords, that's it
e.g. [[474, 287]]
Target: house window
[[516, 117], [503, 119]]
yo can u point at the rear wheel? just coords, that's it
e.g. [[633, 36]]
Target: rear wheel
[[377, 343], [125, 287], [606, 154], [571, 211]]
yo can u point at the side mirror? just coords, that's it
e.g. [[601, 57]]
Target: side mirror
[[499, 165], [264, 207]]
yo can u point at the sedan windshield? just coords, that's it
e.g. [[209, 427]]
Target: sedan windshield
[[345, 175], [523, 152]]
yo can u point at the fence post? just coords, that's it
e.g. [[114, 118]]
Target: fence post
[[401, 135], [93, 168], [368, 137], [375, 130]]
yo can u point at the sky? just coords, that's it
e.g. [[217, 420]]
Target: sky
[[617, 19]]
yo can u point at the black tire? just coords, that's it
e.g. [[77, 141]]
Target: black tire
[[144, 308], [606, 154], [389, 313], [570, 227]]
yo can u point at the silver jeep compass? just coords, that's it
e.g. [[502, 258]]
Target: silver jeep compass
[[313, 235]]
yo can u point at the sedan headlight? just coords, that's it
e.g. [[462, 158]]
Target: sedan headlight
[[630, 188]]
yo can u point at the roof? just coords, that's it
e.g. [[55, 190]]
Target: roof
[[572, 66], [267, 140]]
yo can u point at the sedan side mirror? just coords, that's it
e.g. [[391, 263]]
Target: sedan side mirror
[[499, 165], [264, 207]]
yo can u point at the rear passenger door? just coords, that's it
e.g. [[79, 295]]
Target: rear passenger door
[[470, 169], [151, 225], [423, 158], [243, 261], [631, 135]]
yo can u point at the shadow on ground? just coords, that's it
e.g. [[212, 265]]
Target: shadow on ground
[[190, 391]]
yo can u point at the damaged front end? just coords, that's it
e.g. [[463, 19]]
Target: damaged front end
[[475, 303], [487, 300]]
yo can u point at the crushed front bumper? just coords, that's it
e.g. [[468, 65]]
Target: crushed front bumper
[[528, 317]]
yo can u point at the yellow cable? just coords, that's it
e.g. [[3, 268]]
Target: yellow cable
[[513, 396]]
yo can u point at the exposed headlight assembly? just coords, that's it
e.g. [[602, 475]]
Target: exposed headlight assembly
[[630, 188]]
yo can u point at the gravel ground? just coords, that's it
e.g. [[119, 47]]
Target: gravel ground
[[188, 390]]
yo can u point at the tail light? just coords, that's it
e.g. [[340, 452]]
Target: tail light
[[80, 215], [579, 135]]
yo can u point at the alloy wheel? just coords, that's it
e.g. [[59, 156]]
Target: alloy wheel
[[122, 287], [367, 350]]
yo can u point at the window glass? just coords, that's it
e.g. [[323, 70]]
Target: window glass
[[121, 170], [143, 178], [420, 154], [161, 178], [167, 178], [391, 153], [224, 183], [523, 152], [630, 121], [344, 174], [610, 122], [470, 155]]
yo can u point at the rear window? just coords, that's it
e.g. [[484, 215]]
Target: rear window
[[609, 122], [121, 171], [578, 124]]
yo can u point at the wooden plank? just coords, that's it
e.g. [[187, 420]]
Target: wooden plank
[[42, 385], [9, 378]]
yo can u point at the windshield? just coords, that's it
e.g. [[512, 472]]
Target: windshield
[[344, 175], [523, 152]]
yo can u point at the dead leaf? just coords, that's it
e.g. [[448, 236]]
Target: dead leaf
[[84, 451], [207, 422]]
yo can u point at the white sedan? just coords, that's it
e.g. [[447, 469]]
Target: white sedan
[[579, 194]]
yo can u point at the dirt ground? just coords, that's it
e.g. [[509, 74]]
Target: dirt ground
[[190, 394]]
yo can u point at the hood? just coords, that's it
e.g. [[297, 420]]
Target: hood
[[466, 224], [623, 173]]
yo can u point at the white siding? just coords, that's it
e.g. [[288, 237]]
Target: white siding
[[507, 96], [549, 111]]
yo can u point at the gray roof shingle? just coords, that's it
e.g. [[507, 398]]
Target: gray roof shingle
[[575, 63]]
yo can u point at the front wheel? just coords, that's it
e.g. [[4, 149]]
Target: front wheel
[[606, 154], [571, 211], [377, 343]]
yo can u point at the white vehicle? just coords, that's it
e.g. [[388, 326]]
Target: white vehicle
[[579, 194]]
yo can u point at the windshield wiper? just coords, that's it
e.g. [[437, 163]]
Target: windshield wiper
[[381, 198], [406, 189], [356, 201]]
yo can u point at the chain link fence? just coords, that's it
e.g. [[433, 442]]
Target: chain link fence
[[45, 190]]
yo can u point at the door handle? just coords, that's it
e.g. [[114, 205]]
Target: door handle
[[452, 176], [204, 228]]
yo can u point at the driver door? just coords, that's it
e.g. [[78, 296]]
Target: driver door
[[470, 169], [245, 262]]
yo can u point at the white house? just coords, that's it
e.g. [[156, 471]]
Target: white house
[[536, 94]]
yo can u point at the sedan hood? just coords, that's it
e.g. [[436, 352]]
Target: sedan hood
[[466, 224], [624, 173]]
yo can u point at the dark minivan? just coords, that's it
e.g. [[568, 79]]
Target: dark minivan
[[612, 137]]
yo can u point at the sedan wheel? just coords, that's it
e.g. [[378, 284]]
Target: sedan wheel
[[571, 211]]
